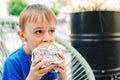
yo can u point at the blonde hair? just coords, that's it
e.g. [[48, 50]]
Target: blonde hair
[[34, 13]]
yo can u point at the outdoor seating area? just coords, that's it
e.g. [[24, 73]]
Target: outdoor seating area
[[77, 67], [87, 32]]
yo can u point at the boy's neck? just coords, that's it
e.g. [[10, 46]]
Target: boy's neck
[[27, 50]]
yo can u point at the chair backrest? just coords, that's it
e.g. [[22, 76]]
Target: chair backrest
[[77, 66], [3, 54]]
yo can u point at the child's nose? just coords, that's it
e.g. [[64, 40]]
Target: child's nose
[[46, 38]]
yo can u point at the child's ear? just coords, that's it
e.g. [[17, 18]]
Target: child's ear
[[21, 35]]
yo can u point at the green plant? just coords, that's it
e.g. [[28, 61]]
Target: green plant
[[55, 10], [16, 6]]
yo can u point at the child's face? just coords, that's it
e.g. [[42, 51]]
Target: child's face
[[36, 33]]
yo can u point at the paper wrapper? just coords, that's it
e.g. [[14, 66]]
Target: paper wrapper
[[48, 51]]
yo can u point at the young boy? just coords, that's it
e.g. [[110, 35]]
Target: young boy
[[37, 25]]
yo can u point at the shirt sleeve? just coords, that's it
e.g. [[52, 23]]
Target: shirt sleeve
[[11, 70]]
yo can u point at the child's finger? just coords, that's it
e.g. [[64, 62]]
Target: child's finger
[[36, 61], [44, 63], [46, 69], [61, 56]]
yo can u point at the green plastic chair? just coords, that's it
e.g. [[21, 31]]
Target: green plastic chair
[[77, 66]]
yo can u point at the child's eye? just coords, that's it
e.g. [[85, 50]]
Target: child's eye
[[52, 31], [38, 32]]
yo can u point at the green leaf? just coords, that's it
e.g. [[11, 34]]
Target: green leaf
[[16, 6]]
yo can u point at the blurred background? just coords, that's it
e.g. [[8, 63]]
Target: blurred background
[[10, 10]]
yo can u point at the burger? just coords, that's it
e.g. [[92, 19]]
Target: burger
[[48, 51]]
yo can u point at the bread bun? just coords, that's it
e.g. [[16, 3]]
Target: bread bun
[[50, 45], [45, 44]]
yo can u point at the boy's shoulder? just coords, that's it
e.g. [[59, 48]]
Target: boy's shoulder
[[16, 54]]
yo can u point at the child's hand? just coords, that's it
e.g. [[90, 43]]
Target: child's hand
[[36, 72], [61, 68]]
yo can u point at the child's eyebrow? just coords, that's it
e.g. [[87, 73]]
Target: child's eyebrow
[[40, 27], [52, 27]]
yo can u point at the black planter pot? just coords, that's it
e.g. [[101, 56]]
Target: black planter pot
[[96, 35]]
